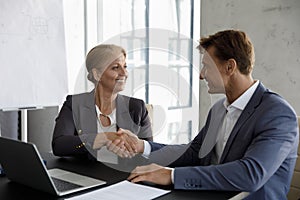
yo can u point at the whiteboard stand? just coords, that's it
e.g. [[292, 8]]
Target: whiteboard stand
[[24, 125]]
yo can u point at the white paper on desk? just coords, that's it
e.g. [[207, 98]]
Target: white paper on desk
[[124, 190]]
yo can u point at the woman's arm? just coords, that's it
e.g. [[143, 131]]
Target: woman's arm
[[65, 140]]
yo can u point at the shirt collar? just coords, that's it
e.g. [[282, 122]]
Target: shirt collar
[[241, 102]]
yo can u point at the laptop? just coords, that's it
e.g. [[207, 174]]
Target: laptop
[[23, 164]]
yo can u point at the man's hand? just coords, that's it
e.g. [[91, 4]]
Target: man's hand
[[123, 143], [131, 141], [118, 147], [152, 173], [127, 141]]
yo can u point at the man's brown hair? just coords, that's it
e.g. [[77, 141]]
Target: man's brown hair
[[231, 44]]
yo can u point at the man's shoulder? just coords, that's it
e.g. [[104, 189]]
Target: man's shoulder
[[272, 102], [272, 98]]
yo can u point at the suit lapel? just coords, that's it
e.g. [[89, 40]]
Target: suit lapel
[[216, 121], [122, 110], [123, 114], [88, 118], [247, 112]]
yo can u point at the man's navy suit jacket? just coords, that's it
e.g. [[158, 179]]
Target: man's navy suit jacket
[[259, 156]]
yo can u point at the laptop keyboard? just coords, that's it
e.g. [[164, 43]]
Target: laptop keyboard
[[62, 185]]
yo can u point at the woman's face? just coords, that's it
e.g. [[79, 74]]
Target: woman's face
[[115, 75]]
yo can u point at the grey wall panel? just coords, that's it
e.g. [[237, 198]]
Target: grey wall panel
[[40, 127], [9, 124], [274, 28]]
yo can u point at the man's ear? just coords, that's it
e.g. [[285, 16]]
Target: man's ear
[[231, 66]]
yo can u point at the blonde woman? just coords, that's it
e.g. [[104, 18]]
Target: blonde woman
[[88, 121]]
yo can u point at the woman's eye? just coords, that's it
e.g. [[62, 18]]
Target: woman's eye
[[118, 66]]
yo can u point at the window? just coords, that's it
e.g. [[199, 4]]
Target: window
[[162, 56]]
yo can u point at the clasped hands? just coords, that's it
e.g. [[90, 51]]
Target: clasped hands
[[123, 143], [126, 145]]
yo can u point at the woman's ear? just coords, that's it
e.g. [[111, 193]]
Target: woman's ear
[[96, 74]]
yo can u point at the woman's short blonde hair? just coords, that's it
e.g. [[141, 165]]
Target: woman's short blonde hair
[[100, 57]]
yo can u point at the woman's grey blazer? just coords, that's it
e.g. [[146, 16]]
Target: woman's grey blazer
[[76, 125]]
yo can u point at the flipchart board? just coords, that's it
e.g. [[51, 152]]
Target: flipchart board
[[33, 71]]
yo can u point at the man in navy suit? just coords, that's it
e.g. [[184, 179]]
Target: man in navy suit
[[249, 141]]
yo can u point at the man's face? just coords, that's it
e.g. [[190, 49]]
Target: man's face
[[212, 72]]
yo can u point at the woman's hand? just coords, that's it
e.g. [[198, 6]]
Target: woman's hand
[[101, 139], [123, 143], [126, 142], [131, 141]]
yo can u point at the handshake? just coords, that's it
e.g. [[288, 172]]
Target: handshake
[[123, 143]]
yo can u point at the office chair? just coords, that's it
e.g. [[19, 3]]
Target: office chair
[[150, 112]]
